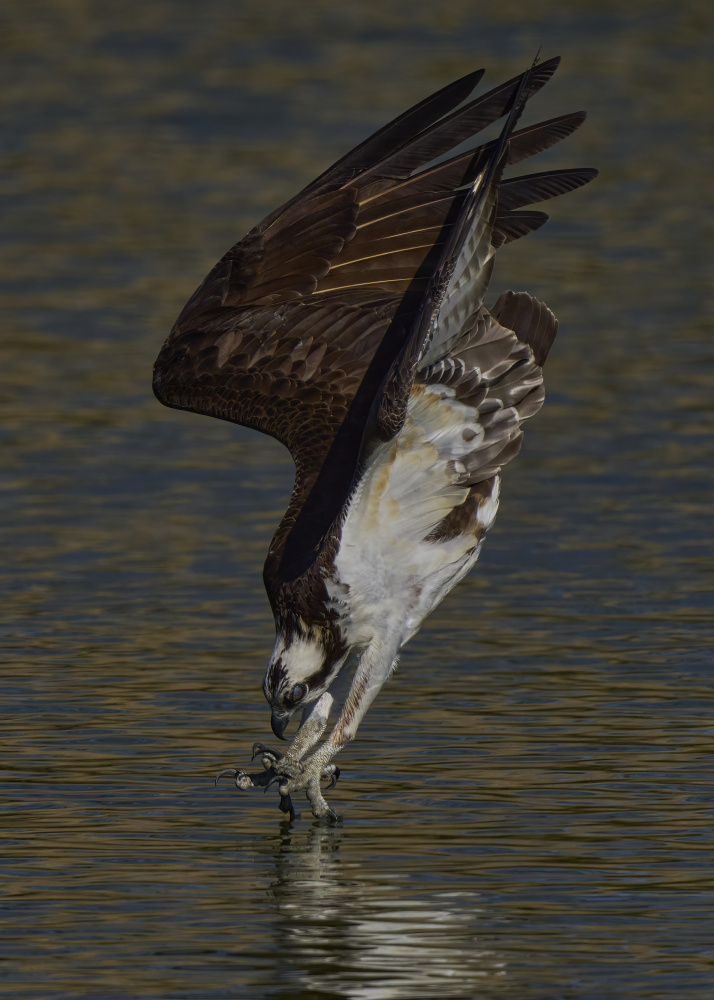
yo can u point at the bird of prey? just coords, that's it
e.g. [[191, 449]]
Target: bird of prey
[[350, 325]]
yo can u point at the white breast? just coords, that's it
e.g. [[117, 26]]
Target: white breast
[[389, 575]]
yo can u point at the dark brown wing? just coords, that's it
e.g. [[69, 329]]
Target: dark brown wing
[[294, 330], [265, 341]]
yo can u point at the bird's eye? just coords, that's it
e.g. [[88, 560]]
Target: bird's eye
[[298, 692]]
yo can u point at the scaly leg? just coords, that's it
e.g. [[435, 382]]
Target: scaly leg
[[294, 773], [313, 725]]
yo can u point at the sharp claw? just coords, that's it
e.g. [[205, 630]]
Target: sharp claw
[[261, 748], [269, 777], [243, 781], [334, 776]]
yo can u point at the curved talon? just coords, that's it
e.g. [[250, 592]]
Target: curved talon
[[290, 774], [261, 748], [334, 776], [276, 777], [243, 781]]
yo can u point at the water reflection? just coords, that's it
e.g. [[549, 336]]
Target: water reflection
[[343, 930]]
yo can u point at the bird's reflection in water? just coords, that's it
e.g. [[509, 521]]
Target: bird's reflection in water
[[343, 931]]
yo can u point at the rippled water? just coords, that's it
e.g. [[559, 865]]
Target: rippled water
[[528, 810]]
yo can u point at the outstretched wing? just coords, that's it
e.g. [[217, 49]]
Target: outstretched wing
[[298, 329]]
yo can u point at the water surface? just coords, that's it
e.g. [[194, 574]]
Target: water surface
[[528, 809]]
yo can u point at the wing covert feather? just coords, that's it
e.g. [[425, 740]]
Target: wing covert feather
[[297, 330]]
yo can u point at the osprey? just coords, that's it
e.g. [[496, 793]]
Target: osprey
[[350, 325]]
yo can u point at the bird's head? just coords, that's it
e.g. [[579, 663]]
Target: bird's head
[[300, 670]]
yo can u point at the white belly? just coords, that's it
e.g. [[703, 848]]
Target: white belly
[[388, 574]]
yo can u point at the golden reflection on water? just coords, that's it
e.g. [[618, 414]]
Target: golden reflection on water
[[528, 809]]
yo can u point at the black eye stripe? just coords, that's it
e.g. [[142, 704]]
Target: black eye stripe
[[276, 674], [321, 675]]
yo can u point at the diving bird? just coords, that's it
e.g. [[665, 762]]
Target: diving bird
[[350, 325]]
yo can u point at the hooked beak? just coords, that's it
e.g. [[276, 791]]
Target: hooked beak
[[278, 723]]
